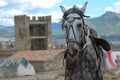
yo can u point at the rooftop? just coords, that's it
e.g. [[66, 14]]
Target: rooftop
[[40, 55]]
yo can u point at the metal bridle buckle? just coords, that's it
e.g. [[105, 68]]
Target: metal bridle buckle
[[70, 19]]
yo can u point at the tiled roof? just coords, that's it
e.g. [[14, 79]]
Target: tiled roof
[[40, 55]]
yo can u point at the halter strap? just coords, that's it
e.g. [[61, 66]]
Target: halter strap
[[80, 13], [73, 10]]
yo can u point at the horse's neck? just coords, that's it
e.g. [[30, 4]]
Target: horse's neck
[[88, 41]]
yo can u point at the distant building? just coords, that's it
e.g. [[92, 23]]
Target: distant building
[[32, 34], [118, 59], [4, 45]]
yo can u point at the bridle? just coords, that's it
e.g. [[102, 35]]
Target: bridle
[[80, 13]]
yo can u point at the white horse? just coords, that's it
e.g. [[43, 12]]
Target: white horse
[[85, 59]]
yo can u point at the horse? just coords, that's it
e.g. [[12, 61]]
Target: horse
[[84, 56]]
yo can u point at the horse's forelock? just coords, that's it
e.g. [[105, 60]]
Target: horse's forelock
[[73, 10]]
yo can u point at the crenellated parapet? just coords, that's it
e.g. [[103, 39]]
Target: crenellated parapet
[[39, 18], [32, 33]]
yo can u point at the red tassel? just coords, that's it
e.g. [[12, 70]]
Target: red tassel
[[111, 60]]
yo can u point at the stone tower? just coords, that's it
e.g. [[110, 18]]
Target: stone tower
[[32, 34]]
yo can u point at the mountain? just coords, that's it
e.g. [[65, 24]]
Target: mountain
[[9, 28], [56, 26], [108, 24], [57, 32], [6, 31], [6, 34]]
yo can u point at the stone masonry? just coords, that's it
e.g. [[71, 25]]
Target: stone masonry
[[32, 34]]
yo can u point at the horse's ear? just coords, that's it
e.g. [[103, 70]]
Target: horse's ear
[[84, 7], [63, 9]]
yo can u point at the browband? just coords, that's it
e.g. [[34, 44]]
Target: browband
[[74, 10]]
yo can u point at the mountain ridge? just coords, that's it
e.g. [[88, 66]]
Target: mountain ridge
[[107, 24]]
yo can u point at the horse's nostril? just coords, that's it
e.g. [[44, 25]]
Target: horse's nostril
[[78, 25], [70, 50], [75, 50]]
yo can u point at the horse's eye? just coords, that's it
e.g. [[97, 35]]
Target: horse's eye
[[78, 25], [65, 26]]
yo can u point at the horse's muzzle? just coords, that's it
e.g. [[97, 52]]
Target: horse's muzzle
[[72, 50]]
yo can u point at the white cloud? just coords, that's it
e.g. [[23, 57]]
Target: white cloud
[[56, 16], [117, 3], [28, 7], [6, 17], [39, 3], [22, 1], [79, 5], [45, 3], [115, 7], [3, 3], [6, 22], [68, 7], [13, 12], [109, 9]]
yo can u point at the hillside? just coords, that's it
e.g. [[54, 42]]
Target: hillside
[[6, 32], [108, 24]]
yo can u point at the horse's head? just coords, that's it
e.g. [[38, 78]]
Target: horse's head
[[73, 23]]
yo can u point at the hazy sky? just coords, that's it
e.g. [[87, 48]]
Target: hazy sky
[[9, 8]]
